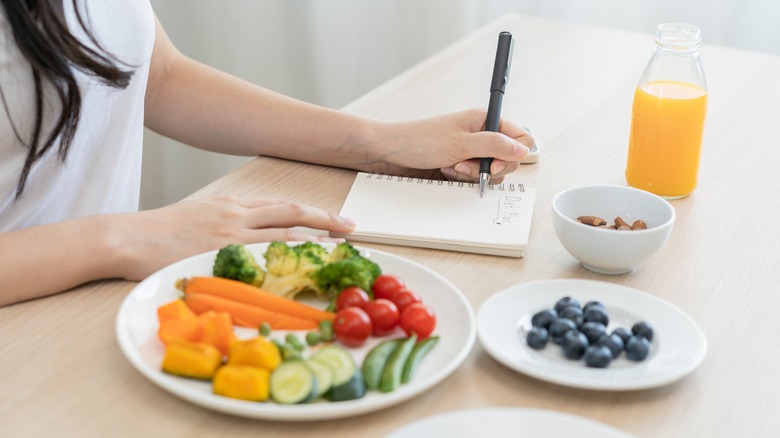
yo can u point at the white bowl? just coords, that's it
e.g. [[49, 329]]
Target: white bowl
[[609, 251]]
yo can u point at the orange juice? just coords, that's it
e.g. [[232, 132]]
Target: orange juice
[[665, 140]]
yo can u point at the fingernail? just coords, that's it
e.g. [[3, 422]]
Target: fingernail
[[462, 168], [498, 168], [347, 221], [520, 150], [449, 172]]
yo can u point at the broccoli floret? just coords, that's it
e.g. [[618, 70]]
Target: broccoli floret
[[313, 249], [281, 259], [309, 267], [291, 268], [353, 271], [343, 250], [237, 263]]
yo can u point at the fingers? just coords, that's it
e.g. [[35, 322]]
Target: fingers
[[277, 213], [290, 235], [516, 132], [469, 170], [507, 148]]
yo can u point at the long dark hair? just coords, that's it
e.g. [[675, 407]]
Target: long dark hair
[[42, 34]]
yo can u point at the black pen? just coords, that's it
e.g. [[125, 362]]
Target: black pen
[[497, 86]]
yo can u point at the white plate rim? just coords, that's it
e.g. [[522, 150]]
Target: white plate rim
[[305, 412], [555, 423], [643, 376]]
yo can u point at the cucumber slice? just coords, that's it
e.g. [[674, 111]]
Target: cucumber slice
[[293, 382], [421, 348], [323, 374], [353, 389], [375, 361], [339, 360]]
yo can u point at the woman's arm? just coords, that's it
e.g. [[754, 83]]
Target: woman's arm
[[206, 108], [43, 260]]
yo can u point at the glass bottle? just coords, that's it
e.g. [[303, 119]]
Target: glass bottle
[[668, 115]]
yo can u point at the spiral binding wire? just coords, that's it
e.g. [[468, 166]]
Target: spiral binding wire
[[511, 187]]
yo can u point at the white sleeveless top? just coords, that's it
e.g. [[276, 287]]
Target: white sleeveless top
[[102, 172]]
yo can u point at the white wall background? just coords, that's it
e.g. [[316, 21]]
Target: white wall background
[[329, 52]]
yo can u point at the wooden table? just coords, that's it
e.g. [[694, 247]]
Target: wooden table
[[64, 375]]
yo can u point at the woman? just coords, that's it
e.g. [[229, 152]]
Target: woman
[[79, 79]]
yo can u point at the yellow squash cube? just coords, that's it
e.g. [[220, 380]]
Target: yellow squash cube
[[195, 360], [243, 382], [258, 352]]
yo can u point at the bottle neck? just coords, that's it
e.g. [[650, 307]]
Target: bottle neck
[[678, 38], [676, 56]]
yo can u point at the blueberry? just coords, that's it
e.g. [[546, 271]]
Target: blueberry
[[643, 329], [593, 331], [613, 342], [573, 313], [623, 332], [537, 338], [590, 304], [574, 344], [596, 314], [637, 348], [559, 327], [543, 318], [598, 356], [566, 302]]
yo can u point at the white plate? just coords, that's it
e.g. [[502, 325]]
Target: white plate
[[136, 328], [507, 422], [678, 346]]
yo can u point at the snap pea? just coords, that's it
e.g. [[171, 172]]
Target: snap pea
[[415, 357], [394, 368], [376, 360]]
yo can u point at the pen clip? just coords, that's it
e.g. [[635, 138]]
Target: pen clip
[[504, 51]]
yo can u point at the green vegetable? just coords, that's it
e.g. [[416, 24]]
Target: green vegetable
[[326, 330], [293, 382], [415, 357], [280, 259], [288, 352], [237, 263], [264, 329], [313, 338], [354, 270], [294, 342], [339, 361], [323, 374], [394, 368], [343, 251], [352, 389], [291, 268], [375, 362]]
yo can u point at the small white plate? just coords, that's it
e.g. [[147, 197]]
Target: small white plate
[[507, 422], [678, 345], [136, 329]]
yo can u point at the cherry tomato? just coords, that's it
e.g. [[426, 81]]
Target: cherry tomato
[[352, 326], [386, 285], [404, 297], [418, 318], [384, 316], [352, 297]]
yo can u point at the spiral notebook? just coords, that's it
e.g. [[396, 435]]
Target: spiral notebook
[[440, 214]]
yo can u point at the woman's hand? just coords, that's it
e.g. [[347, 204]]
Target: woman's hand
[[452, 144], [134, 245], [155, 238]]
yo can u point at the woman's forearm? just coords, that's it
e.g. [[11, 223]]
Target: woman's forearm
[[201, 106], [43, 260]]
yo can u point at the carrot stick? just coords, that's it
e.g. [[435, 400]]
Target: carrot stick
[[246, 315], [248, 294]]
